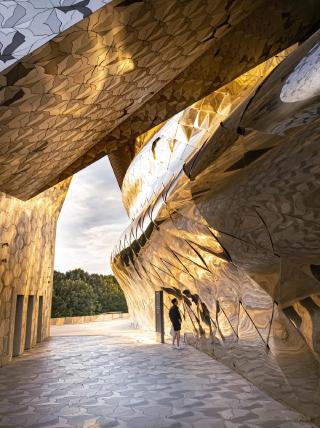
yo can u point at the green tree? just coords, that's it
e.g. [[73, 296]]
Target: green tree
[[78, 293]]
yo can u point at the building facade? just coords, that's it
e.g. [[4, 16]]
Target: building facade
[[209, 113], [27, 231], [225, 218]]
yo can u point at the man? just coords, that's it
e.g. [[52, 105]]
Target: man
[[175, 318]]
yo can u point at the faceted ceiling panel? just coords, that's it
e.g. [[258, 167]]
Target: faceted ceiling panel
[[29, 24], [123, 69]]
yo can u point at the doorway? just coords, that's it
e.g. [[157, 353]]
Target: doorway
[[39, 324], [28, 341], [159, 318], [18, 326]]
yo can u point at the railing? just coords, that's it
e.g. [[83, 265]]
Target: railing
[[88, 318]]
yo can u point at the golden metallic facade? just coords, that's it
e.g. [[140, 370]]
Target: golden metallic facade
[[224, 201], [27, 243], [124, 68], [223, 195]]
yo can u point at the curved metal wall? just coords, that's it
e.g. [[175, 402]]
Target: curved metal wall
[[231, 227]]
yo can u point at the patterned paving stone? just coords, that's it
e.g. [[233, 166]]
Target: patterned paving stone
[[109, 375]]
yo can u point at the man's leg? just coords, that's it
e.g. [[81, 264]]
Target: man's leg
[[178, 338], [174, 335]]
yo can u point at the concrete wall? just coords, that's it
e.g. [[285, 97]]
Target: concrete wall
[[89, 318], [27, 243]]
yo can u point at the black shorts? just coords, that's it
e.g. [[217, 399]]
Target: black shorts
[[176, 326]]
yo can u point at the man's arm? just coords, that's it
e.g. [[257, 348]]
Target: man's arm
[[171, 315]]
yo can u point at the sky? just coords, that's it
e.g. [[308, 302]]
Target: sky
[[91, 220]]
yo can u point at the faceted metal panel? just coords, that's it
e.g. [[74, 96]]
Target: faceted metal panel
[[27, 242], [119, 71], [61, 99], [225, 217], [28, 24], [164, 153]]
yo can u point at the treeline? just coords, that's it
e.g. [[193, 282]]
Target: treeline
[[77, 293]]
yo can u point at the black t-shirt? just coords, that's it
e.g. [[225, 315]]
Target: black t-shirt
[[174, 314]]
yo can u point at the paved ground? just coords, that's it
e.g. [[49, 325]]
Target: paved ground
[[105, 374]]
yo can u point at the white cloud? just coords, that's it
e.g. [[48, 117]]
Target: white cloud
[[91, 221]]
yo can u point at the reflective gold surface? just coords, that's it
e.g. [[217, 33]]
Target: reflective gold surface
[[123, 69], [224, 201], [27, 244], [162, 152]]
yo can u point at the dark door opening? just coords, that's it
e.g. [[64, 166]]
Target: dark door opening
[[28, 340], [18, 326], [159, 316], [39, 324]]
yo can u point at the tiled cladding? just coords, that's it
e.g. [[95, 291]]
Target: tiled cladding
[[123, 69], [27, 231], [234, 235], [28, 24], [162, 152], [60, 100]]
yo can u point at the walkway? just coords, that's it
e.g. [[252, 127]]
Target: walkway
[[105, 374]]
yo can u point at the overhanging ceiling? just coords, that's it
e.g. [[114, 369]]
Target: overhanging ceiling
[[122, 70]]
